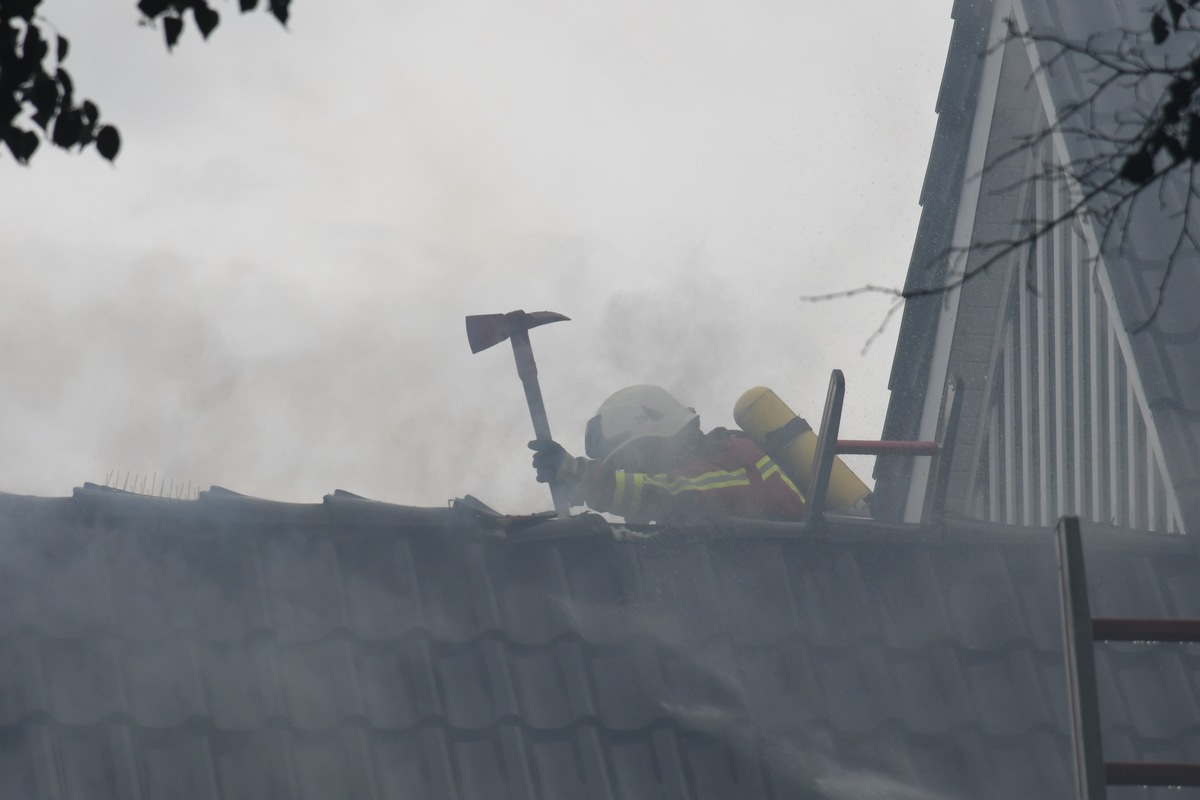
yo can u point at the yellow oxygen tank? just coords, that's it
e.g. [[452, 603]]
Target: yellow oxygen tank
[[791, 442]]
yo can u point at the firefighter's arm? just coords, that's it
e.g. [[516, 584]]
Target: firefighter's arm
[[672, 494]]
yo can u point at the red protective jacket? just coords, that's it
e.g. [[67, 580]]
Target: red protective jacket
[[731, 477]]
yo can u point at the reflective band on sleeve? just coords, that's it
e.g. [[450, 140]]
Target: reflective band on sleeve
[[639, 483], [630, 488], [627, 496], [767, 468], [719, 479]]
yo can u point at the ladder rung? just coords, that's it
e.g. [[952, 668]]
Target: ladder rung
[[1149, 773], [869, 447], [1137, 629]]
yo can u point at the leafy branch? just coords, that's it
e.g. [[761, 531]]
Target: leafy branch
[[37, 95]]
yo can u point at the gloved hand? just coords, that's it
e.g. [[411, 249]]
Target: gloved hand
[[555, 465]]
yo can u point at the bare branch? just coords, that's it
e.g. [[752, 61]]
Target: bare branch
[[1133, 137]]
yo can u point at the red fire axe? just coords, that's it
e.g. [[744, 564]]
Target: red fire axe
[[485, 330]]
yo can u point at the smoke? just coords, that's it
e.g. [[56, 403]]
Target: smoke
[[267, 291]]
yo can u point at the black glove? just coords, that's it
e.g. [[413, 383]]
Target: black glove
[[555, 465]]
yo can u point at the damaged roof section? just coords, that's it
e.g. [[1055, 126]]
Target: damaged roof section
[[231, 647]]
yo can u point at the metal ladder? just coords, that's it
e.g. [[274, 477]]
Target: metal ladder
[[1080, 631], [829, 446]]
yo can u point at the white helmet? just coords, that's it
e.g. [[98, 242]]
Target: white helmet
[[633, 414]]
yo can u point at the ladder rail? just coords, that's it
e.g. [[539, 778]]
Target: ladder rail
[[1078, 653], [827, 436], [1080, 633]]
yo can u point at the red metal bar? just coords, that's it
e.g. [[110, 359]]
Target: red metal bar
[[1135, 629], [1149, 773], [868, 447]]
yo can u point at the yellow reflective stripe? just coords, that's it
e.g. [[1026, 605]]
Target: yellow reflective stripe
[[767, 467], [720, 479], [627, 496]]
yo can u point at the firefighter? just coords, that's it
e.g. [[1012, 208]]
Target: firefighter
[[647, 460]]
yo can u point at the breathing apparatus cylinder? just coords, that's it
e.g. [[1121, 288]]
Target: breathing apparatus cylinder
[[792, 443]]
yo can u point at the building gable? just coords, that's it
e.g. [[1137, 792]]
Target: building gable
[[1066, 407]]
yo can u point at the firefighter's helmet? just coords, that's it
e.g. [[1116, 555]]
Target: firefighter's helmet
[[633, 416]]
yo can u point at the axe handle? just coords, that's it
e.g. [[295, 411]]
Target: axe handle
[[527, 370]]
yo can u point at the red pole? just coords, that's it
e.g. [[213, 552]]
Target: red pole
[[1149, 773], [860, 447], [1135, 629]]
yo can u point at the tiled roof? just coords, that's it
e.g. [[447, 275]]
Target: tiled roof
[[235, 648]]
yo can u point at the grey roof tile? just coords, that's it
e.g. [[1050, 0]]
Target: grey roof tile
[[456, 606], [161, 680], [679, 601], [718, 769], [645, 766], [603, 585], [933, 694], [176, 763], [1030, 765], [581, 695], [20, 689], [300, 573], [18, 774], [409, 764], [859, 688], [86, 761], [979, 593], [1127, 588], [320, 687], [332, 765], [80, 679], [1145, 680], [783, 688], [1182, 589], [464, 689], [911, 611], [702, 687], [253, 764], [754, 591], [625, 685], [922, 661], [540, 684], [494, 763], [1007, 688], [379, 584], [240, 683], [833, 598], [398, 683], [523, 579], [558, 768]]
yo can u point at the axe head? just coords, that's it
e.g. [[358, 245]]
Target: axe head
[[485, 330]]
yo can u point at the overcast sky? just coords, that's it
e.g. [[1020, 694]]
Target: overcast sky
[[267, 291]]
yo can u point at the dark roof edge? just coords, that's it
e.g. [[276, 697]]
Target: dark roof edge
[[956, 107], [458, 522]]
